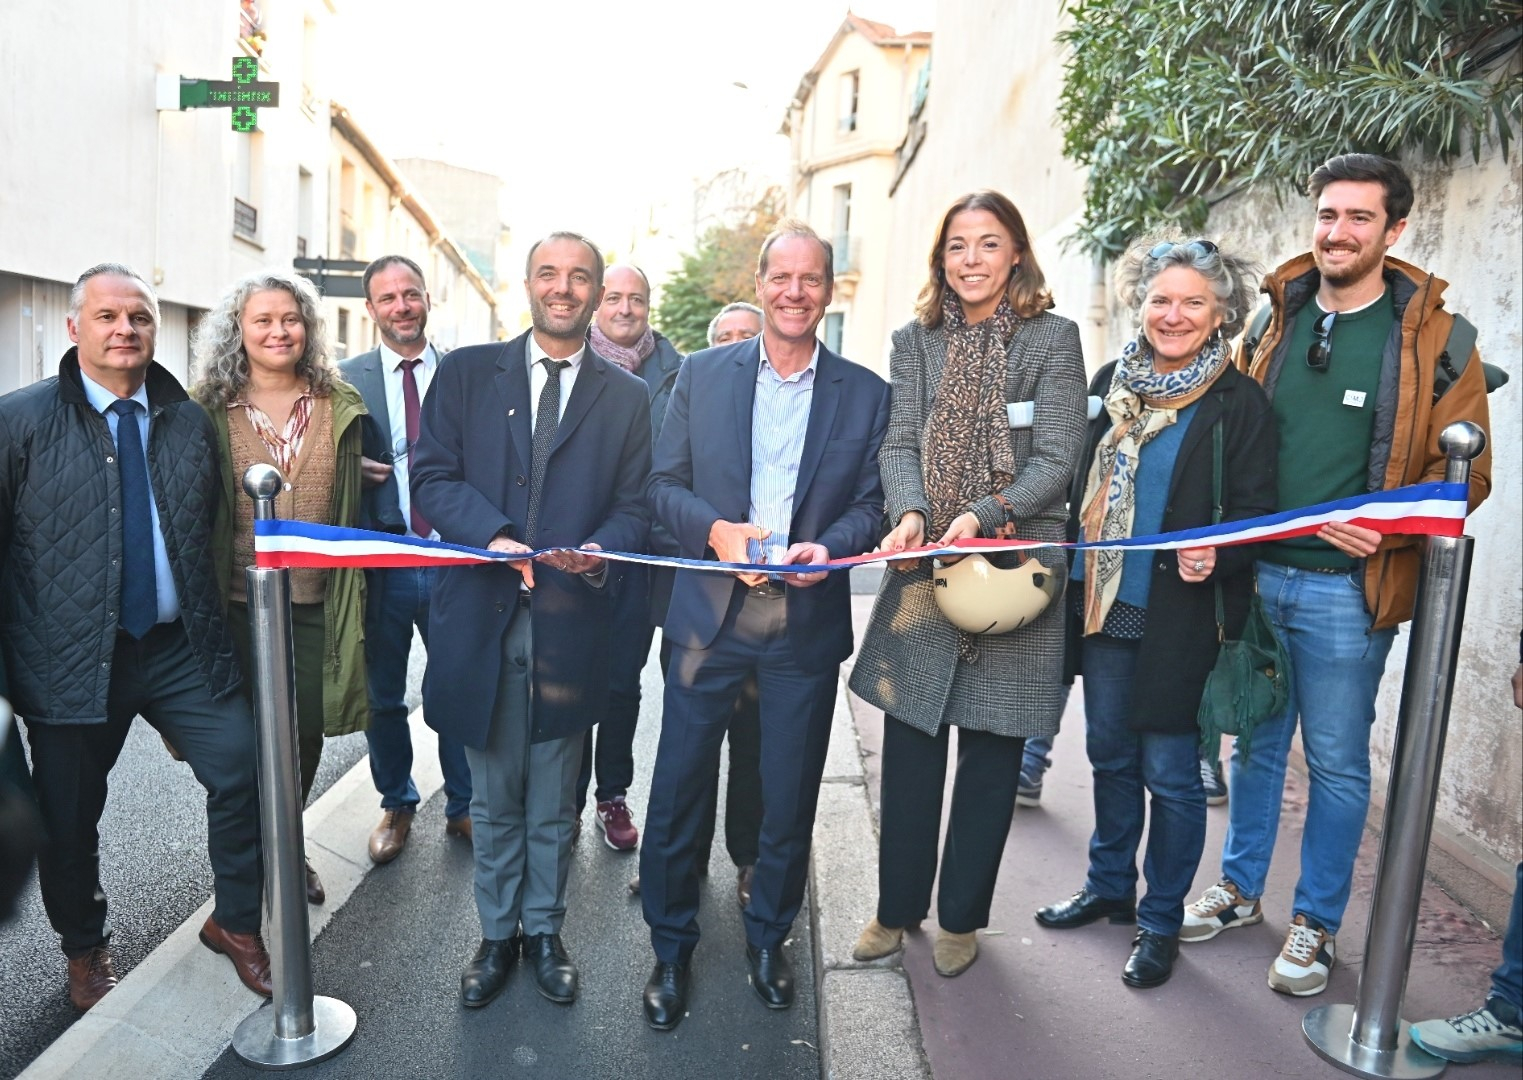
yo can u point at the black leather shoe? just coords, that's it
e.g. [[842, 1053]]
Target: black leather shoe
[[1083, 908], [771, 976], [666, 995], [487, 973], [554, 973], [1152, 959]]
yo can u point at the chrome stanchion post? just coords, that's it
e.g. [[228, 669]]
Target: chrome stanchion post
[[1370, 1038], [297, 1028]]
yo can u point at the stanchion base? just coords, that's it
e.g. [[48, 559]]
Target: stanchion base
[[256, 1043], [1329, 1030]]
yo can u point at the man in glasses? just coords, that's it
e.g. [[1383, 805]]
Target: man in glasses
[[1349, 360], [392, 378]]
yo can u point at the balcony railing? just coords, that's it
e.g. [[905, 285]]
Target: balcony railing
[[847, 254]]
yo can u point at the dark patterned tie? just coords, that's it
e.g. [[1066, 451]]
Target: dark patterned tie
[[140, 596], [420, 524], [546, 419]]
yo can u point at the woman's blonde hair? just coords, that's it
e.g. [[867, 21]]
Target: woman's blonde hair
[[1027, 290]]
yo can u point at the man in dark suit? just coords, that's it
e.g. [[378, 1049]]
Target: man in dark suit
[[772, 445], [110, 609], [393, 379], [535, 443]]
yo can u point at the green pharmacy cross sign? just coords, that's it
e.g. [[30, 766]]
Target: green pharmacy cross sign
[[244, 94]]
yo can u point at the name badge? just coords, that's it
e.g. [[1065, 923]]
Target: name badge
[[1354, 399]]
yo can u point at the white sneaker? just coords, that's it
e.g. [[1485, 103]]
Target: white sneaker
[[1220, 908], [1302, 967], [1476, 1036]]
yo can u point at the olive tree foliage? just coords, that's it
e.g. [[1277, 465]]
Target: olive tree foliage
[[721, 268], [1174, 105]]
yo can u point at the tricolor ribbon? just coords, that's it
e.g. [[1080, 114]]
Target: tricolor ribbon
[[1436, 509]]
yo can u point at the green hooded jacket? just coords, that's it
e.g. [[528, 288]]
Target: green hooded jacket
[[346, 704]]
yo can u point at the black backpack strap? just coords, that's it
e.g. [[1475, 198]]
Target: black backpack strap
[[1255, 333], [1456, 354]]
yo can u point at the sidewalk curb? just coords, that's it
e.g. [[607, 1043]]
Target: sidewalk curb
[[175, 1013], [868, 1024]]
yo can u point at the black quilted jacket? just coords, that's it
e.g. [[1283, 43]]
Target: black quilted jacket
[[61, 541]]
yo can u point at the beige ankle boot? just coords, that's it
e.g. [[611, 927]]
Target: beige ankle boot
[[955, 953], [877, 941]]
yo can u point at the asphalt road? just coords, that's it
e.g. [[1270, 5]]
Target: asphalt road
[[396, 950], [155, 872]]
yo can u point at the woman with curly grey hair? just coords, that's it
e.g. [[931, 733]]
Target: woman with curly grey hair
[[1142, 624], [274, 395]]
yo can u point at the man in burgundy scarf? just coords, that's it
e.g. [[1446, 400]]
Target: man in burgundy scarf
[[621, 333]]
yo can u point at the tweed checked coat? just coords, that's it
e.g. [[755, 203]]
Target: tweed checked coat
[[909, 665]]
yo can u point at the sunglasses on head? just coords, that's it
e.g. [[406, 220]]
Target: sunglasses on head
[[1320, 355], [1199, 248]]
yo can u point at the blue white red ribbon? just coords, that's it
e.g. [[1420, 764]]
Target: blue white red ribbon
[[1436, 509]]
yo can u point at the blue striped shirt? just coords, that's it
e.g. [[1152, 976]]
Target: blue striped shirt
[[779, 420]]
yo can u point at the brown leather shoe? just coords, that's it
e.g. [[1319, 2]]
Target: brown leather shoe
[[91, 977], [460, 827], [389, 836], [743, 876], [246, 951], [316, 894]]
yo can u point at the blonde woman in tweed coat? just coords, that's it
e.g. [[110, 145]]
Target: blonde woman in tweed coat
[[954, 465]]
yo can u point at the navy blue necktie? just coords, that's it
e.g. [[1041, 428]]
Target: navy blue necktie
[[140, 594]]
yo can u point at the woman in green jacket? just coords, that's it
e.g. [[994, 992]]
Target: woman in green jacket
[[275, 397]]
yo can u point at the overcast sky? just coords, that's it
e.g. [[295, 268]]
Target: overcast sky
[[591, 111]]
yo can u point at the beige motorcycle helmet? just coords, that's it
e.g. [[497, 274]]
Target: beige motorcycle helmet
[[979, 597]]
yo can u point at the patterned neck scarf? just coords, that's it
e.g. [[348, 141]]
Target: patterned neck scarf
[[629, 358], [1141, 402], [966, 453]]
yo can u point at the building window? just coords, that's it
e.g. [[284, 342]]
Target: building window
[[847, 105], [835, 325], [341, 346], [248, 177], [245, 220], [840, 225]]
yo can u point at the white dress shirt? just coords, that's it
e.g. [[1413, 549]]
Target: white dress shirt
[[396, 410], [538, 374]]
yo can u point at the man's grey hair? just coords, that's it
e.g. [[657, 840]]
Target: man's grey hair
[[222, 365], [110, 269], [1233, 279], [739, 305], [796, 227]]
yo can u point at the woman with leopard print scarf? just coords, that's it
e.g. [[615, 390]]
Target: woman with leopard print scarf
[[955, 465]]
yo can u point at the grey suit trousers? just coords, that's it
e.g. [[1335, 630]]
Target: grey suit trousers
[[521, 806]]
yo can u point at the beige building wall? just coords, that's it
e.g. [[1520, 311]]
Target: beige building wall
[[990, 122], [828, 157], [995, 77], [373, 211]]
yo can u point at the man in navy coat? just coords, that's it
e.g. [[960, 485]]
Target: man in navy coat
[[769, 454], [513, 672]]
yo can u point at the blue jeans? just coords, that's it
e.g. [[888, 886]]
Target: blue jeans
[[1036, 759], [1336, 662], [396, 600], [1126, 763], [1507, 979]]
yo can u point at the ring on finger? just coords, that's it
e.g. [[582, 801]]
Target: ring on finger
[[1200, 565]]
